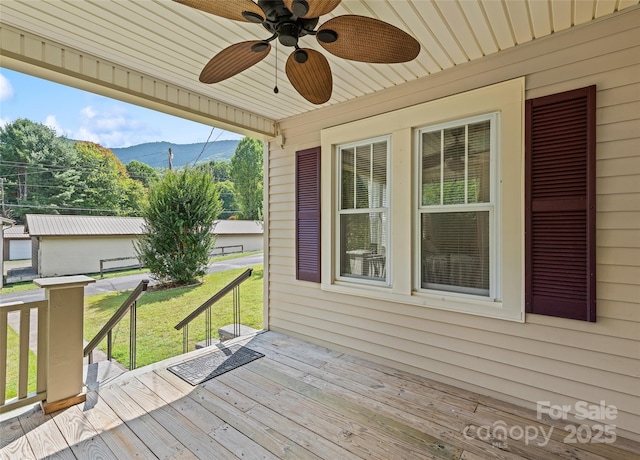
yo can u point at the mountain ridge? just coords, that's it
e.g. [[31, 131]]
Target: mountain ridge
[[156, 154]]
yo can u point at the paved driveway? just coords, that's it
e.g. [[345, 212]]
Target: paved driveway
[[124, 283]]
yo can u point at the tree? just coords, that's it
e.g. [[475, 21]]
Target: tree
[[142, 172], [104, 185], [179, 218], [247, 175], [225, 190], [47, 174], [219, 170], [37, 167]]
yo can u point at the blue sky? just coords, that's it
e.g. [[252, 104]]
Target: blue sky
[[86, 116]]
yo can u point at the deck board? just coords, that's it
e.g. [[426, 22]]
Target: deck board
[[177, 423], [337, 428], [118, 436], [272, 440], [444, 410], [44, 436], [83, 440], [356, 408], [275, 420], [300, 401], [210, 424], [158, 439], [13, 442]]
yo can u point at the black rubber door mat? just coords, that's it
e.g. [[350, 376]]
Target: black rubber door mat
[[211, 365]]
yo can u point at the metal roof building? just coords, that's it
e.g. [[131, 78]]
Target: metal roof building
[[4, 224], [16, 243], [70, 244], [66, 225]]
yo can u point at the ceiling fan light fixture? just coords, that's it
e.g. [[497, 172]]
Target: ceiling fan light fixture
[[250, 16], [327, 36], [300, 8], [288, 34], [300, 56]]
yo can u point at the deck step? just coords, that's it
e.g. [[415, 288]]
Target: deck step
[[96, 374], [226, 333]]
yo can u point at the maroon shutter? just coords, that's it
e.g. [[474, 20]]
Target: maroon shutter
[[560, 205], [308, 215]]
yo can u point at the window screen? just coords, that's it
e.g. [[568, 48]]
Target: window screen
[[456, 208], [363, 211]]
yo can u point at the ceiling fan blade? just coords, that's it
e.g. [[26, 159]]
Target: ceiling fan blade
[[311, 8], [364, 39], [226, 9], [233, 60], [311, 78]]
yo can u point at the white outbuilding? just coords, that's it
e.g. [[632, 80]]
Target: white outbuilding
[[71, 245], [238, 236], [4, 224], [17, 243]]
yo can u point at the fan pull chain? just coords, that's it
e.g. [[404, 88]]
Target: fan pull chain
[[275, 88]]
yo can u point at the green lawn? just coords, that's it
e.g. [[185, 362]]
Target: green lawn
[[18, 287], [13, 346], [159, 311]]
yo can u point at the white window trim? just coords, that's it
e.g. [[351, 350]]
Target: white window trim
[[507, 98], [495, 235], [338, 173]]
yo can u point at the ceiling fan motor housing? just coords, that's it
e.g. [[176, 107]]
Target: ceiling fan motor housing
[[287, 25], [288, 34]]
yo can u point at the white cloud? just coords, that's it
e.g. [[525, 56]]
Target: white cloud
[[84, 134], [4, 122], [112, 127], [52, 122], [6, 90], [88, 112]]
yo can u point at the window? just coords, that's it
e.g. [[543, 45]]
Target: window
[[456, 207], [424, 205], [363, 214]]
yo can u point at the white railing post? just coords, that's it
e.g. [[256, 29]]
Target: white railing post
[[65, 296]]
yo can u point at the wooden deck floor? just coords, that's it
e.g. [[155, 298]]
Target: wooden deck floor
[[300, 401]]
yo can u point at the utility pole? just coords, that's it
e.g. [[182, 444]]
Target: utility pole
[[170, 159], [4, 212]]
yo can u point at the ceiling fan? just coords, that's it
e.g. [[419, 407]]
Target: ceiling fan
[[357, 38]]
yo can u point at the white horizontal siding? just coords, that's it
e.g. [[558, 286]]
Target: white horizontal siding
[[60, 256], [545, 358]]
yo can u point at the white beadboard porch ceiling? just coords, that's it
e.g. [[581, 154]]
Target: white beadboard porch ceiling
[[172, 42]]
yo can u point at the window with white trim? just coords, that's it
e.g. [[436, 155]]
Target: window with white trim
[[452, 205], [457, 207], [363, 211]]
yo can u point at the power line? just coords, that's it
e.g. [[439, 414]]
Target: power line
[[52, 169], [71, 208], [205, 144], [76, 188], [65, 208], [34, 173], [4, 212]]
